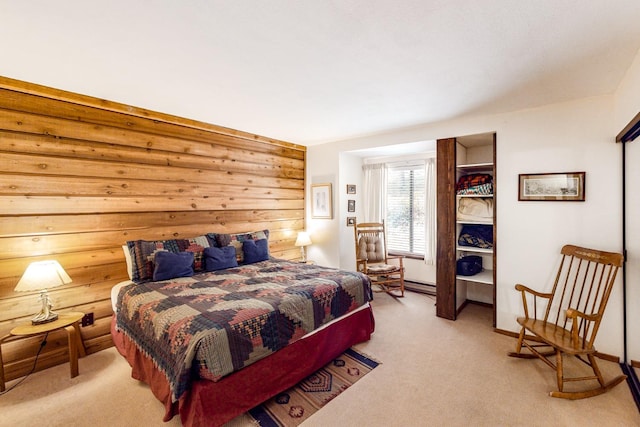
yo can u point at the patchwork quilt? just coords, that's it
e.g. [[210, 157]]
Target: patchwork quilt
[[212, 324]]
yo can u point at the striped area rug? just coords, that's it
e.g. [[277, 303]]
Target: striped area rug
[[295, 405]]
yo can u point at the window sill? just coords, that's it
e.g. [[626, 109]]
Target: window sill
[[407, 255]]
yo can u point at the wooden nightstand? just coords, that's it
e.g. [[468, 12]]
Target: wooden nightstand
[[67, 321]]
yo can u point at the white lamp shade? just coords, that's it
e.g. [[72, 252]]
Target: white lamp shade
[[41, 275], [303, 239]]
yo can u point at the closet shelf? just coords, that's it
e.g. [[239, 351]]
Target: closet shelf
[[485, 276], [474, 249], [474, 222], [476, 167]]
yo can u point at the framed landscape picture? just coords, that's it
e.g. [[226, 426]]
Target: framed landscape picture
[[566, 186], [321, 206]]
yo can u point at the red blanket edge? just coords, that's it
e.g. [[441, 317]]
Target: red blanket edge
[[209, 403]]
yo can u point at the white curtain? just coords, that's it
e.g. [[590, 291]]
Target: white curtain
[[430, 227], [375, 194]]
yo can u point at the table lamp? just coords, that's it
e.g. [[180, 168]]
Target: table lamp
[[39, 276], [302, 241]]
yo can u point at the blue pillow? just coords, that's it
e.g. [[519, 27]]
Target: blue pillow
[[255, 250], [169, 265], [219, 258]]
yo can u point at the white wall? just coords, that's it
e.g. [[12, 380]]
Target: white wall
[[417, 271], [567, 137], [324, 233], [350, 173], [627, 105]]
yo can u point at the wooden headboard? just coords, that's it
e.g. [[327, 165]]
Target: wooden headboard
[[79, 176]]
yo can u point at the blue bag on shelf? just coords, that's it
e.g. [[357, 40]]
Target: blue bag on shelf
[[469, 265]]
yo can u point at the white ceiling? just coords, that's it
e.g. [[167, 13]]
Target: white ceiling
[[316, 71]]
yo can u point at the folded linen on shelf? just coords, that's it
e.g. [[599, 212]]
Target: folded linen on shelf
[[475, 209], [473, 180]]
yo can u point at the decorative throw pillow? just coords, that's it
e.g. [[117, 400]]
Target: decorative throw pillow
[[170, 265], [220, 258], [236, 240], [255, 250]]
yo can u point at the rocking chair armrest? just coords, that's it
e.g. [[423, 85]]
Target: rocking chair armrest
[[398, 257], [361, 265], [523, 289], [574, 314]]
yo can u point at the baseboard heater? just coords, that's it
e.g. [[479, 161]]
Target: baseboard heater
[[425, 288]]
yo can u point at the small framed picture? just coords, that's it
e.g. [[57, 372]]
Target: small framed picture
[[321, 201], [351, 221], [351, 205], [566, 186], [351, 189]]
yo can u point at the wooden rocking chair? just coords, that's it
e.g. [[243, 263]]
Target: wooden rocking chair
[[565, 321], [372, 259]]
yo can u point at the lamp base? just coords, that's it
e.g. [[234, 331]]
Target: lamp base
[[303, 255], [39, 321], [45, 315]]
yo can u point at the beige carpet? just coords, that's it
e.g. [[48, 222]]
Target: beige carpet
[[435, 373]]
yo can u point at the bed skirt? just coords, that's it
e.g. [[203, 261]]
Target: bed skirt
[[209, 403]]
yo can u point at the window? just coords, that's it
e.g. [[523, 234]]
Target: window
[[406, 208]]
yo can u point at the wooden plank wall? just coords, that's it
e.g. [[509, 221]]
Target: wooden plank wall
[[79, 176]]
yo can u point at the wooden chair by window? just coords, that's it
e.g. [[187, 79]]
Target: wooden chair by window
[[372, 259], [565, 321]]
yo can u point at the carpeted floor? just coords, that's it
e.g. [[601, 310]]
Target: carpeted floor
[[435, 372]]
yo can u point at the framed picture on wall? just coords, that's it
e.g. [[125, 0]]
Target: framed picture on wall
[[566, 186], [351, 205], [351, 189], [351, 221], [321, 206]]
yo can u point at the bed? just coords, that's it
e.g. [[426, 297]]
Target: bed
[[214, 343]]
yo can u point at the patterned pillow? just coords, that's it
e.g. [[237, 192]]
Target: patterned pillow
[[143, 254], [197, 245], [222, 240]]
